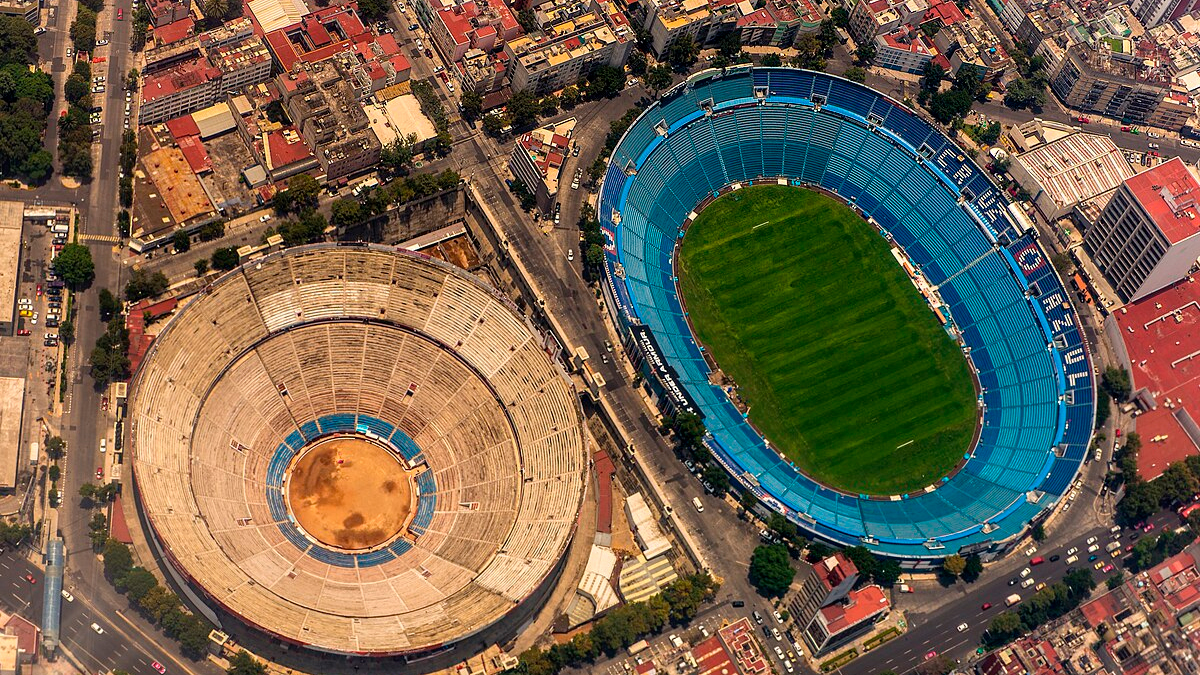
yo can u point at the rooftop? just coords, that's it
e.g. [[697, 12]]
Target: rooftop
[[860, 605], [191, 73], [835, 569], [1076, 167], [1168, 193], [1178, 581], [712, 659], [1161, 334]]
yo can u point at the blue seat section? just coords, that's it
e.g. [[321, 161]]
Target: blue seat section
[[426, 485], [406, 445], [278, 465], [331, 557], [295, 440], [1037, 390], [400, 547], [374, 557], [275, 505], [310, 430], [292, 534], [375, 425], [335, 423], [420, 522]]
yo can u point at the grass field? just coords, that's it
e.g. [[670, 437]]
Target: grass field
[[845, 368]]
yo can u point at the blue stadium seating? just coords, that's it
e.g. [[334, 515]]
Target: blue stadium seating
[[909, 178]]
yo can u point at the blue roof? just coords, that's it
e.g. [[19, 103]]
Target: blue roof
[[721, 129], [52, 594]]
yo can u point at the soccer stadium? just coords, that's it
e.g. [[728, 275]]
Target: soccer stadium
[[994, 290], [357, 450]]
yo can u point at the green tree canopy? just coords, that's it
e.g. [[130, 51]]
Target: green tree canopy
[[954, 565], [771, 570], [74, 264]]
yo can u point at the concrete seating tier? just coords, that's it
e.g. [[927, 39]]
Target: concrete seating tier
[[411, 352]]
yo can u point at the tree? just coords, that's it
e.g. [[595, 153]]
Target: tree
[[244, 664], [53, 473], [954, 565], [131, 79], [75, 88], [277, 113], [840, 17], [659, 78], [74, 264], [373, 10], [301, 194], [888, 571], [38, 166], [730, 45], [1024, 93], [345, 212], [973, 568], [225, 258], [17, 42], [215, 10], [397, 156], [211, 231], [637, 63], [773, 60], [110, 305], [715, 475], [1115, 381], [56, 448], [472, 104], [747, 500], [201, 266], [947, 106], [66, 331], [683, 52], [1003, 628], [1115, 580], [570, 96], [1176, 485], [855, 74], [932, 77], [865, 54], [810, 53], [137, 582], [939, 665], [771, 570], [1038, 533], [522, 109], [118, 560], [1139, 503], [181, 241], [143, 284]]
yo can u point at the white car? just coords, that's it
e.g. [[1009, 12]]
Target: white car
[[1093, 548], [1092, 540], [776, 633], [962, 627], [1031, 550], [1073, 550], [1026, 572], [67, 596], [570, 254], [96, 627], [779, 652]]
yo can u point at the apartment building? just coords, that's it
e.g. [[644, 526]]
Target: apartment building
[[537, 160], [1155, 12], [875, 17], [703, 20], [1142, 92], [241, 64], [163, 12], [778, 23], [30, 10], [178, 90], [829, 610], [973, 45], [326, 109], [482, 24], [1148, 235], [575, 37], [905, 49]]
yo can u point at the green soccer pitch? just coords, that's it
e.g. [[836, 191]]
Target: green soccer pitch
[[845, 367]]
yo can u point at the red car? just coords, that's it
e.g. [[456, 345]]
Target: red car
[[39, 290], [930, 655], [1148, 527], [986, 605], [120, 14], [23, 331], [1107, 569], [162, 670], [30, 579], [1084, 120], [99, 472], [1037, 561]]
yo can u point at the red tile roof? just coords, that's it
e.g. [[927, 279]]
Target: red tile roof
[[712, 659], [195, 154], [181, 127], [832, 575], [284, 153], [174, 31], [858, 606], [119, 529], [1169, 192], [948, 12], [184, 76], [1178, 581], [1160, 332]]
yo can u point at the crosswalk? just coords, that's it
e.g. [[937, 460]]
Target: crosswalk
[[99, 238]]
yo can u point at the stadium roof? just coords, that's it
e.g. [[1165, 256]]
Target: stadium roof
[[1076, 167], [1160, 335], [1168, 193]]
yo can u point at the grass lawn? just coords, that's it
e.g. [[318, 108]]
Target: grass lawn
[[845, 368]]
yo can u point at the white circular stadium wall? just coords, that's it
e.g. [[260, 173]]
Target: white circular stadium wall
[[357, 450]]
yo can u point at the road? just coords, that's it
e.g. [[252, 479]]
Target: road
[[938, 632]]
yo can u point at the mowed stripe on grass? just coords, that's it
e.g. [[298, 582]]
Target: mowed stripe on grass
[[845, 368]]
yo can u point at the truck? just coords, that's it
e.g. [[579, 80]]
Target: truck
[[637, 647], [1012, 600]]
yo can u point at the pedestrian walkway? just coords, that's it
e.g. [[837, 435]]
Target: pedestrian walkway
[[107, 238]]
